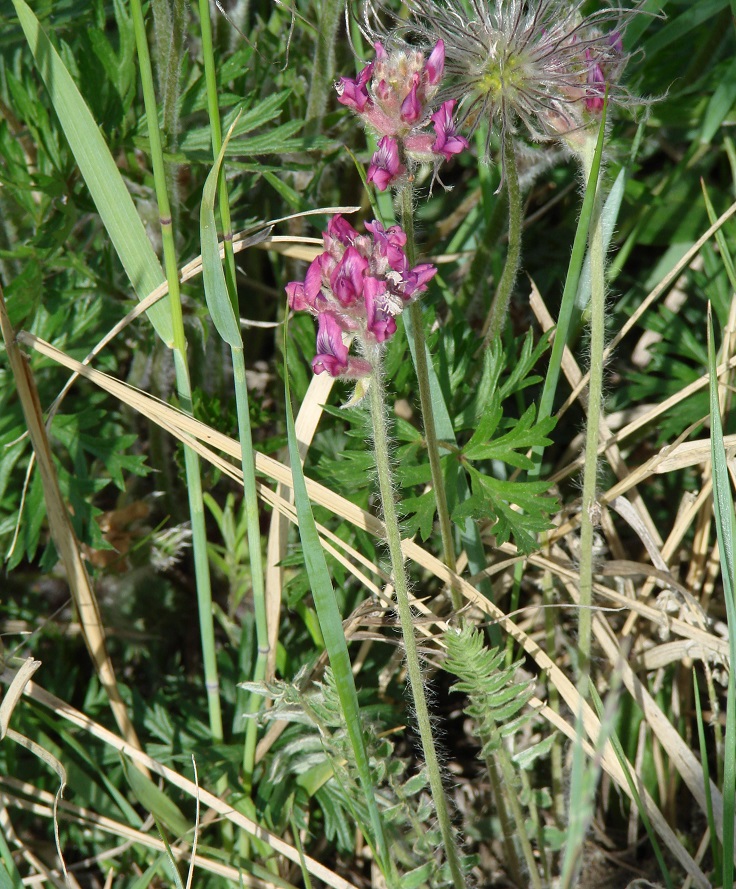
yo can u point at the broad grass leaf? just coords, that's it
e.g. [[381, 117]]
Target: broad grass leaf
[[102, 177], [156, 801]]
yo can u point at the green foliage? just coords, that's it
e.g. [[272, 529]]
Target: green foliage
[[313, 761], [494, 700]]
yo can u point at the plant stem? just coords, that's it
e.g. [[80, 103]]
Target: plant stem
[[504, 789], [393, 537], [425, 401], [494, 322], [213, 110], [183, 385], [595, 390], [250, 495]]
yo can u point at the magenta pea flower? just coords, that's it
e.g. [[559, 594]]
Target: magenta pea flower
[[447, 142], [332, 353], [356, 289], [385, 166]]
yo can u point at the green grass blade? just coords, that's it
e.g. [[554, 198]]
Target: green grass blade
[[623, 762], [715, 851], [726, 531], [215, 286], [102, 177], [330, 621]]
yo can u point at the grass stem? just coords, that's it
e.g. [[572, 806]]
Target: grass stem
[[183, 385]]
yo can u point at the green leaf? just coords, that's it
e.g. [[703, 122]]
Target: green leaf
[[215, 286], [723, 508], [424, 508], [102, 177], [155, 801], [523, 435]]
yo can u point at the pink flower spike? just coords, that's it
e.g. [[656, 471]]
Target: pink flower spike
[[346, 280], [616, 43], [417, 279], [380, 50], [332, 353], [385, 167], [411, 107], [352, 91], [379, 321], [435, 66], [447, 142]]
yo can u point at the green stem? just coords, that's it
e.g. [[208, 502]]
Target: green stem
[[425, 401], [183, 385], [493, 326], [507, 832], [507, 794], [213, 110], [595, 390], [250, 495], [322, 73], [401, 584]]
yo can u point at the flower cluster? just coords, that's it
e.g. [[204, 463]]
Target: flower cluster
[[358, 287], [393, 95], [541, 63]]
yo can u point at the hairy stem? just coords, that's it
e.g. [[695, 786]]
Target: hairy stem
[[425, 401], [595, 389], [493, 326], [401, 584], [324, 63]]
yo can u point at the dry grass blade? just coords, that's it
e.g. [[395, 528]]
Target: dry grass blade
[[39, 802], [62, 531], [669, 279]]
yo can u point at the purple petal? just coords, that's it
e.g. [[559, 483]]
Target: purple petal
[[385, 167], [304, 297], [340, 229], [447, 142], [596, 84], [379, 321], [417, 279], [435, 65], [411, 107], [390, 244], [352, 91], [332, 353], [346, 280]]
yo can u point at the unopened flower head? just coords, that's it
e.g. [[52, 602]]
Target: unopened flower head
[[538, 62], [357, 286], [395, 97]]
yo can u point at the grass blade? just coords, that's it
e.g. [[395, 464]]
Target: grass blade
[[102, 177], [726, 531]]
